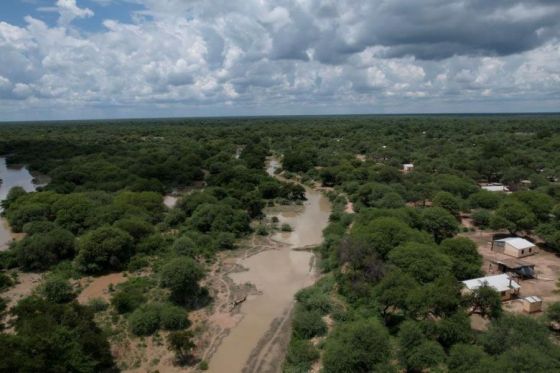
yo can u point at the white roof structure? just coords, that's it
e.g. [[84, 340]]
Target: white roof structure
[[517, 243], [495, 188], [498, 282], [408, 166], [533, 299]]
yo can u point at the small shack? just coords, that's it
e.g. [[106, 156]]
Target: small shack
[[510, 265], [514, 246], [532, 304], [407, 167], [502, 283], [495, 187]]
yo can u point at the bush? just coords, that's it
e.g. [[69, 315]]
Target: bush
[[262, 231], [185, 246], [144, 320], [173, 317], [130, 295], [57, 290], [137, 263], [300, 356], [286, 227], [98, 305], [308, 324], [5, 281], [314, 299]]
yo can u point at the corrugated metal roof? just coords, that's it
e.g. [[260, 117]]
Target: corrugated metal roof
[[498, 282], [533, 299], [517, 242]]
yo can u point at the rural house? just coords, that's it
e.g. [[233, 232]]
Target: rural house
[[514, 246], [407, 167], [495, 187], [502, 283]]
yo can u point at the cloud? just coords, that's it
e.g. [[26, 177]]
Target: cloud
[[255, 56], [68, 10]]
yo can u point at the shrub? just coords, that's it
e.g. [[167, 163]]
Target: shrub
[[98, 305], [300, 356], [57, 290], [313, 299], [308, 324], [144, 320], [137, 263], [173, 317], [286, 227]]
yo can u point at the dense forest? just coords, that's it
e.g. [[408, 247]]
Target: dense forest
[[389, 295]]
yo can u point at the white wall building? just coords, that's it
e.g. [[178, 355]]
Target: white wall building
[[502, 283], [514, 246], [495, 187]]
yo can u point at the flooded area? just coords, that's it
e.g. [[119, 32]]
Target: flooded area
[[11, 177], [308, 224], [257, 342], [98, 287]]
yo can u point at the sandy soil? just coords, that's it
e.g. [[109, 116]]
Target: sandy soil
[[26, 284], [7, 235]]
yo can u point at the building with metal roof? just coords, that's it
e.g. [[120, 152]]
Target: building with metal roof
[[514, 246], [502, 283]]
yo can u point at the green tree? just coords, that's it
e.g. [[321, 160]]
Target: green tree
[[52, 337], [181, 275], [12, 196], [481, 218], [440, 223], [447, 201], [514, 216], [484, 301], [464, 358], [465, 259], [182, 344], [105, 248], [356, 346], [423, 262], [393, 290], [40, 251]]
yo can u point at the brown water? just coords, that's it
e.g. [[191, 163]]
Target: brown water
[[278, 275], [99, 287], [11, 177]]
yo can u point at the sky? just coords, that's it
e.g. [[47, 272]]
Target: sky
[[88, 59]]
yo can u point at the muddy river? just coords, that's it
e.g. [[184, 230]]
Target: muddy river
[[278, 274], [11, 177]]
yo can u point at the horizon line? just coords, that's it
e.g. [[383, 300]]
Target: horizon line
[[264, 116]]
